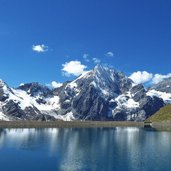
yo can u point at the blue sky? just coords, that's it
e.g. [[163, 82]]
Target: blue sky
[[136, 33]]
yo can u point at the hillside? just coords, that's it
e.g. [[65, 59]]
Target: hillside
[[164, 114]]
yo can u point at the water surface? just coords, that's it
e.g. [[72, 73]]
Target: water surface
[[85, 149]]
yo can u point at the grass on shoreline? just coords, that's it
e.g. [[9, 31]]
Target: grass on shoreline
[[163, 115], [164, 126]]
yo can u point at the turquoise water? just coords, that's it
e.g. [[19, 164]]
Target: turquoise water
[[95, 149]]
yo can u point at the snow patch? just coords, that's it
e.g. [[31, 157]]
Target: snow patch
[[126, 102], [3, 117], [73, 85], [165, 96], [67, 117]]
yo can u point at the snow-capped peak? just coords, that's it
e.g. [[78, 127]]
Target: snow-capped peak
[[35, 89], [106, 80]]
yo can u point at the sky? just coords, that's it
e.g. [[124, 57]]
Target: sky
[[56, 40]]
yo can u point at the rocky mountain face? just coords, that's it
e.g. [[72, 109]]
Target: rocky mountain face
[[163, 86], [98, 94], [162, 90], [23, 102]]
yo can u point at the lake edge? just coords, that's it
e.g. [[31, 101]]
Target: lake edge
[[69, 124]]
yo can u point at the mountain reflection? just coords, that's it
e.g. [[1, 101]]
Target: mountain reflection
[[94, 149]]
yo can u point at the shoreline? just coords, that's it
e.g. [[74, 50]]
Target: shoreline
[[83, 124], [162, 126], [69, 124]]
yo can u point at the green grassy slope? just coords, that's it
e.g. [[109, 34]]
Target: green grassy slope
[[164, 114]]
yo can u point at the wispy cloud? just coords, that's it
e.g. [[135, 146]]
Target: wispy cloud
[[85, 57], [109, 54], [67, 56], [74, 68], [40, 48], [96, 60], [159, 77]]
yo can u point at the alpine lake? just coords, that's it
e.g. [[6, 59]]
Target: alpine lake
[[123, 148]]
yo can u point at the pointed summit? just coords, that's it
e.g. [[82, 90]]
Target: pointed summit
[[102, 68], [4, 90], [111, 79], [104, 79]]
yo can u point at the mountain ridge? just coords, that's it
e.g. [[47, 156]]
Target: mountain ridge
[[99, 94]]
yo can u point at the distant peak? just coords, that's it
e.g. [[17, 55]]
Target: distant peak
[[33, 84], [3, 83], [35, 88]]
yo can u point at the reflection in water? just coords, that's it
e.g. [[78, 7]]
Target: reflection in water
[[72, 149]]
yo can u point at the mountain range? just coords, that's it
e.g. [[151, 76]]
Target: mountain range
[[99, 94]]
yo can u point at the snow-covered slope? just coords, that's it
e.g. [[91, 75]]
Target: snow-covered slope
[[20, 104], [99, 94]]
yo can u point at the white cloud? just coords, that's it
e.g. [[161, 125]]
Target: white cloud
[[73, 68], [140, 77], [109, 54], [146, 77], [85, 57], [40, 48], [56, 84], [159, 77], [96, 60]]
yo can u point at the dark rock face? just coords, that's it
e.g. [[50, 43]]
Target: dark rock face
[[138, 92], [3, 97], [164, 86], [120, 115], [124, 83], [13, 110], [90, 106], [137, 88], [151, 105]]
